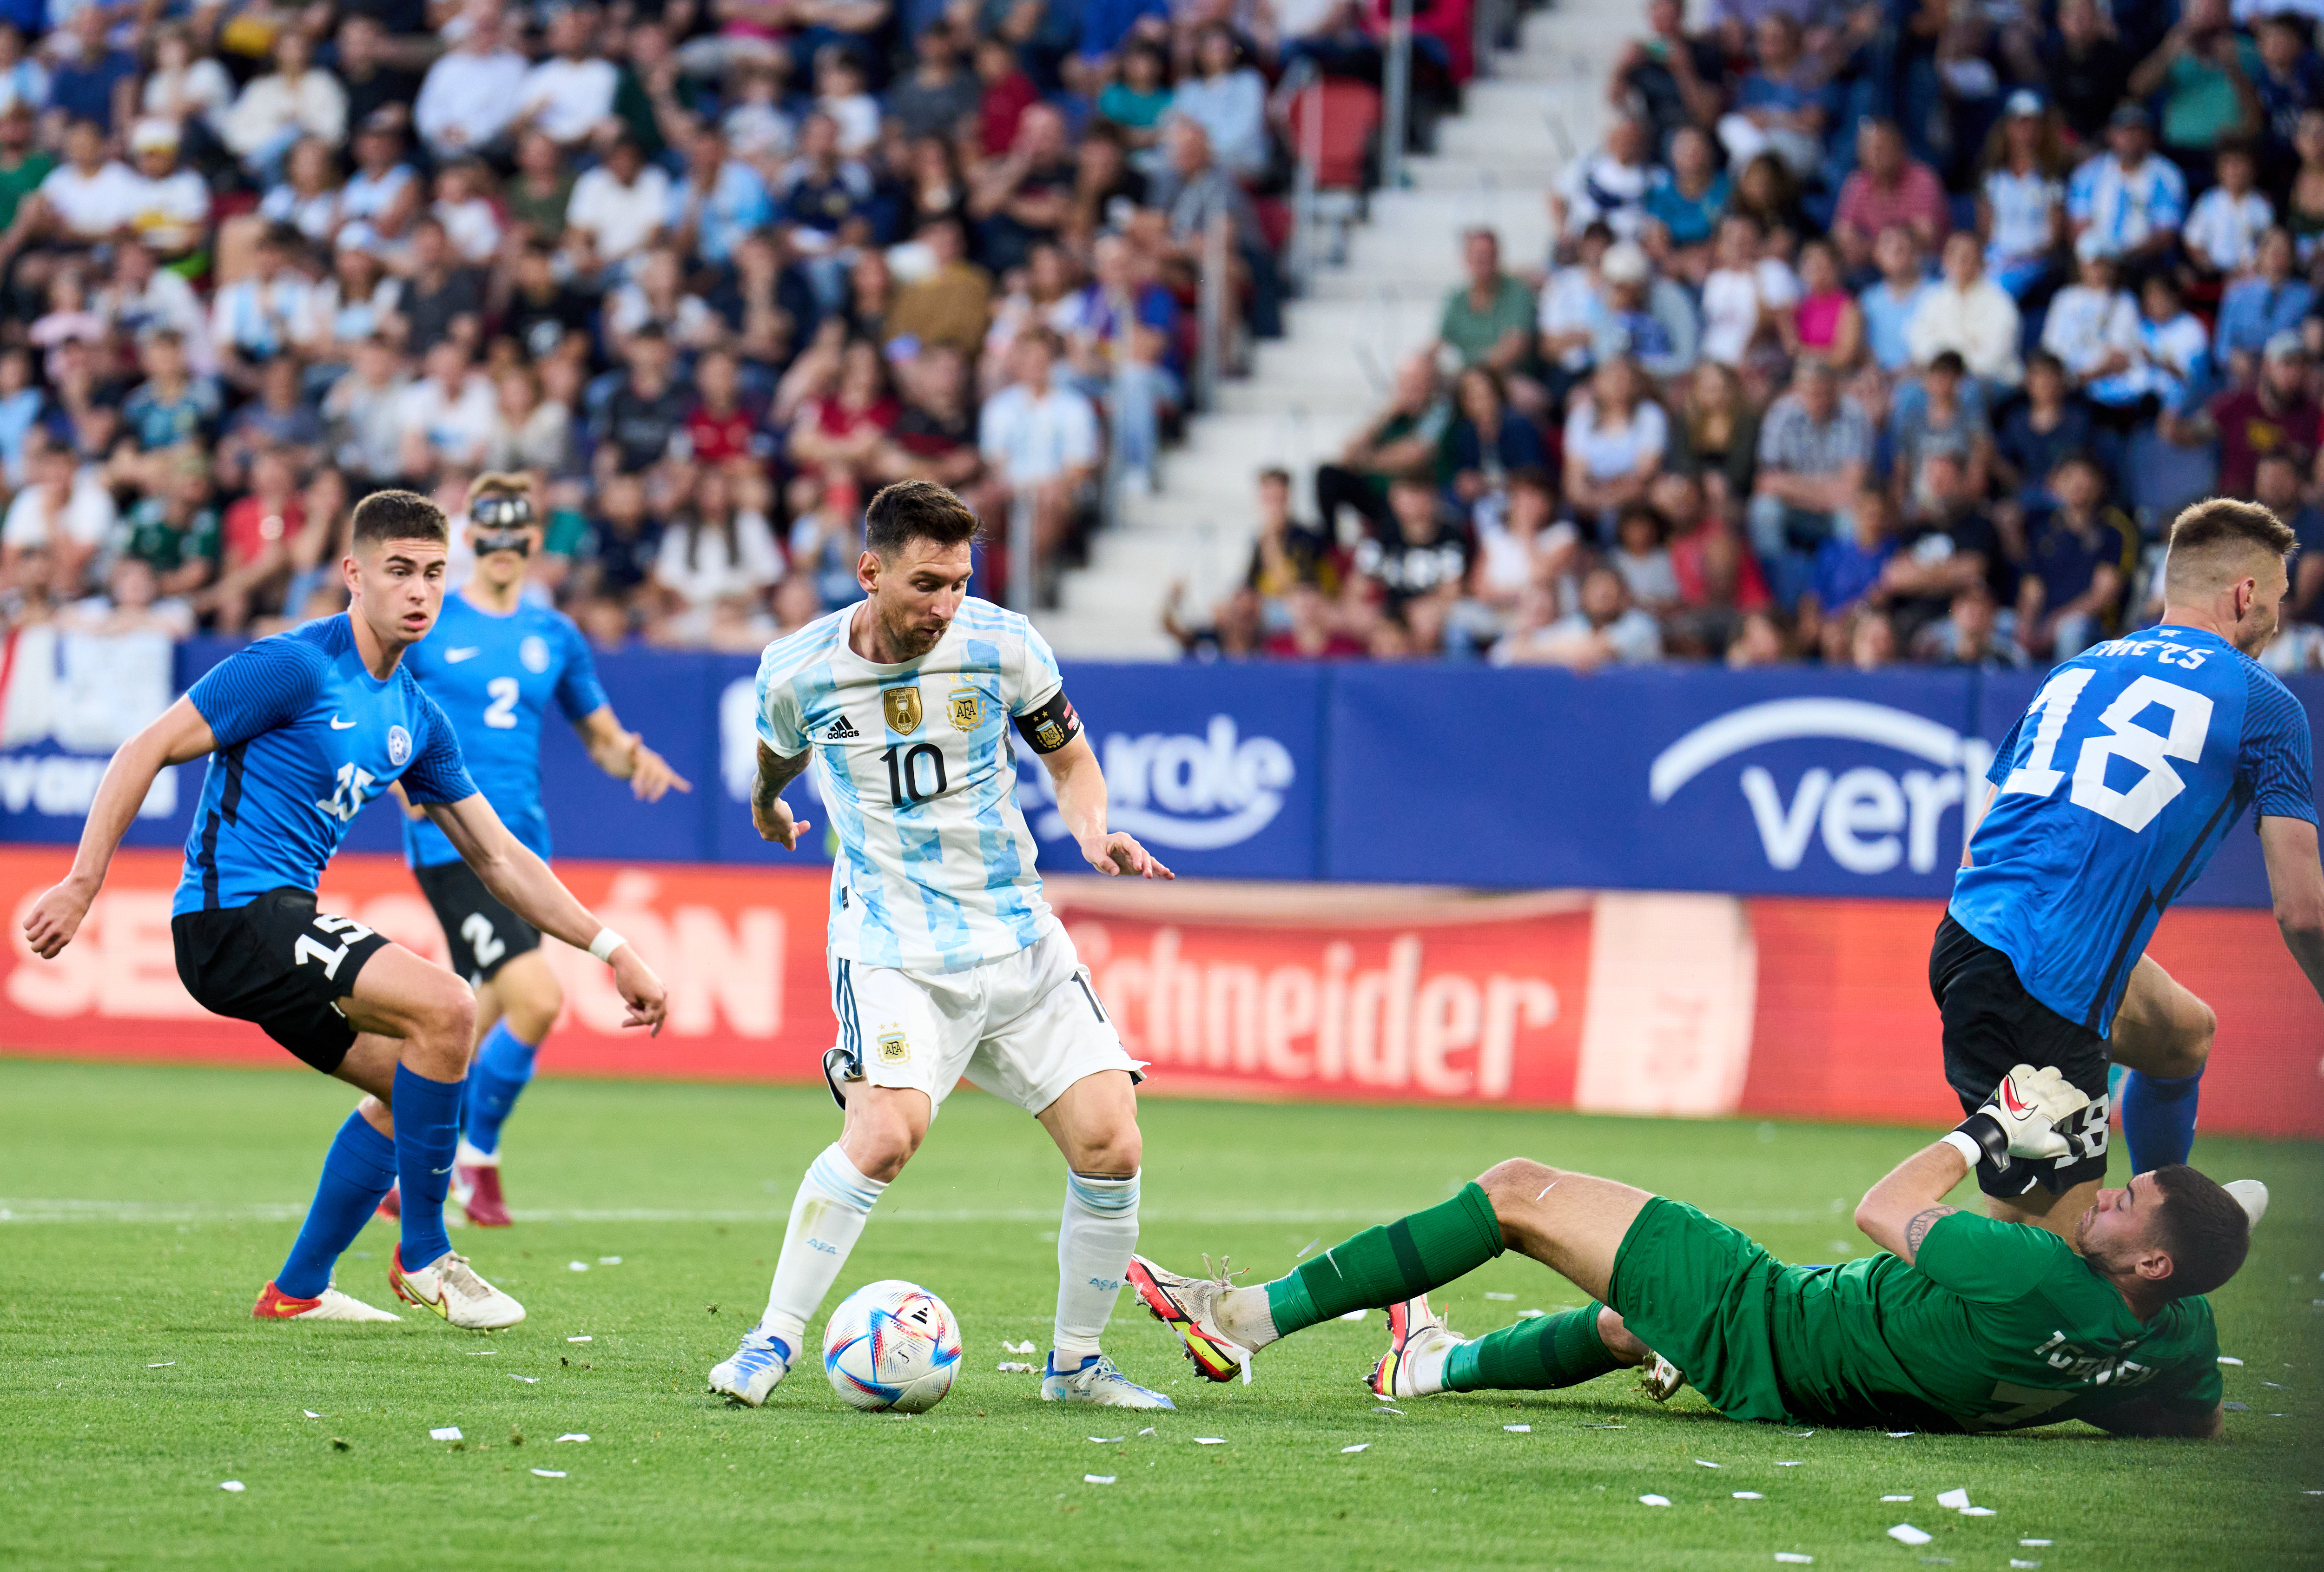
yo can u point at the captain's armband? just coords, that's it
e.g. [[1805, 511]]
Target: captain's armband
[[1051, 725]]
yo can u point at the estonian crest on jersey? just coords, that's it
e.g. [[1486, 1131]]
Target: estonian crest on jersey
[[967, 708], [399, 746], [534, 654], [895, 1047], [902, 706]]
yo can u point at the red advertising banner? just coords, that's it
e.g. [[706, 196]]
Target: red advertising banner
[[1614, 1002]]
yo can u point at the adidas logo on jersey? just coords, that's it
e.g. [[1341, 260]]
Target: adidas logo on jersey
[[840, 731]]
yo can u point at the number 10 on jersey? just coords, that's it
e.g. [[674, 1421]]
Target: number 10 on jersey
[[915, 773]]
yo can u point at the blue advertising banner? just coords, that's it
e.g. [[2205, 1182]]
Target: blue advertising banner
[[1788, 781]]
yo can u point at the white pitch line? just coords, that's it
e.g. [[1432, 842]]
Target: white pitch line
[[148, 1212]]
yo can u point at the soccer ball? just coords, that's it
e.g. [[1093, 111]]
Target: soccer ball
[[891, 1344]]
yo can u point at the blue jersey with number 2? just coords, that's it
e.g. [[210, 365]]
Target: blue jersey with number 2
[[2115, 786], [495, 677], [305, 736]]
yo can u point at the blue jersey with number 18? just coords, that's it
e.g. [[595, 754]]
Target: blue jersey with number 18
[[2116, 785]]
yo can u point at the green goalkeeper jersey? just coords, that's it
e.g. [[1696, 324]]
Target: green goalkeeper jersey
[[1993, 1326]]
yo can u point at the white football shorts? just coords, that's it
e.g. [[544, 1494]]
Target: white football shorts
[[1023, 1028]]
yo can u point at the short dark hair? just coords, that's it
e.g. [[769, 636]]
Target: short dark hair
[[2217, 521], [1275, 473], [398, 515], [1950, 362], [917, 509], [2206, 1230]]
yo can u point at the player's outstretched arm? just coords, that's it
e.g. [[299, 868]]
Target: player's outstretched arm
[[2296, 881], [2019, 1120], [179, 735], [1897, 1212], [624, 756], [1080, 803], [770, 814], [525, 884]]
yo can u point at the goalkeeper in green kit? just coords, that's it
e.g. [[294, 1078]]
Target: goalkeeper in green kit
[[1960, 1323]]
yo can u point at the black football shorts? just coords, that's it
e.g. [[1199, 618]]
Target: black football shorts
[[485, 935], [281, 965]]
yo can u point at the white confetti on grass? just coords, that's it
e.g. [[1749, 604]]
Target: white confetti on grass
[[1024, 1347], [609, 1260], [1511, 1298], [1311, 1245], [1793, 1559], [548, 1473], [1895, 1498], [1707, 1463], [483, 1353], [1652, 1500], [1210, 1440], [1977, 1512], [1531, 1315], [1748, 1495], [2023, 1565], [1953, 1500], [1097, 1478], [1384, 1409], [310, 1413], [164, 1364], [1013, 1367], [584, 1337], [232, 1486], [2037, 1544], [1788, 1462], [574, 1436], [1900, 1435], [2229, 1359], [1518, 1430], [1906, 1534], [576, 1266], [445, 1433], [1146, 1431], [1356, 1448], [528, 1380], [1108, 1440]]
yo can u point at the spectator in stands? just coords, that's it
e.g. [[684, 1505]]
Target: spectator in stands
[[1615, 437], [1486, 441], [1943, 412], [1677, 78], [1403, 436], [172, 405], [2202, 68], [2075, 565], [273, 112], [2037, 432], [1784, 104], [1648, 319], [1848, 566], [2085, 65], [1641, 555], [1825, 320], [2020, 199], [474, 92], [96, 82], [938, 96], [1948, 543], [2274, 413], [1889, 304], [1228, 100], [255, 556], [1608, 186], [2257, 306], [63, 511], [714, 565], [2092, 327], [2127, 202], [1120, 332], [1685, 203], [446, 417], [1604, 630], [2223, 229], [2172, 359], [1815, 451], [1969, 635], [1743, 295], [1023, 200], [1969, 314], [1040, 445], [568, 97], [1889, 187], [622, 206], [1413, 576], [1714, 435], [1573, 312], [2281, 485], [1192, 191], [1490, 320]]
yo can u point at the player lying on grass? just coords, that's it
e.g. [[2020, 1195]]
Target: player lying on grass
[[301, 730], [2130, 768], [1961, 1323]]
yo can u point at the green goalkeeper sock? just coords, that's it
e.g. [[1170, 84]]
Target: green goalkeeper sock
[[1382, 1266], [1549, 1351]]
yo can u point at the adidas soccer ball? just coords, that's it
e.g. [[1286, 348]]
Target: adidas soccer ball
[[891, 1344]]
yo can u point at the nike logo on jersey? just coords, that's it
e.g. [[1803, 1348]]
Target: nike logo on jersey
[[454, 657], [840, 731], [343, 726]]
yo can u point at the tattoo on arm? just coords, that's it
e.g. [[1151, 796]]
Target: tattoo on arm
[[775, 772], [1918, 1228]]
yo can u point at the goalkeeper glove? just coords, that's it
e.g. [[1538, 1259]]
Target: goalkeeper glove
[[2021, 1119]]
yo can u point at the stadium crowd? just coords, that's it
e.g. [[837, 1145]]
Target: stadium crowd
[[711, 272], [1873, 333]]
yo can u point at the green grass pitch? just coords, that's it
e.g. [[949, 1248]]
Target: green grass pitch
[[133, 1380]]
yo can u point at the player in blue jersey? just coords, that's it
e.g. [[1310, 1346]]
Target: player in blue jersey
[[2131, 766], [494, 665], [301, 730]]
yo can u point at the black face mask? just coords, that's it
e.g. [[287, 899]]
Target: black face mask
[[504, 523]]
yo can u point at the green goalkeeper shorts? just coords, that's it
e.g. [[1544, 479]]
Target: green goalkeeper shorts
[[1703, 1296]]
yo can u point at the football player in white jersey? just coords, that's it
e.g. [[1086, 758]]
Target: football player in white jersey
[[945, 961]]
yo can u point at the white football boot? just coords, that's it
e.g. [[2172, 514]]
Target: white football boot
[[330, 1305], [1418, 1341], [450, 1287], [1660, 1377], [1095, 1381], [755, 1370]]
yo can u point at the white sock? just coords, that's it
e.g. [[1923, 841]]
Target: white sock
[[1243, 1314], [1423, 1369], [834, 1201], [1094, 1240]]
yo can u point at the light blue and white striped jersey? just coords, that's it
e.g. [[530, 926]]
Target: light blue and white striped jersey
[[2123, 207], [917, 770]]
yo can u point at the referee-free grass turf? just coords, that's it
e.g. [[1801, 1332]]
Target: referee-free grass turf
[[145, 1207]]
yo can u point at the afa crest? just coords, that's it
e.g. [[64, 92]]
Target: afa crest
[[895, 1047], [902, 706], [966, 706]]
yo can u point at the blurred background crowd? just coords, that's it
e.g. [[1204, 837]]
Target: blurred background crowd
[[1871, 333]]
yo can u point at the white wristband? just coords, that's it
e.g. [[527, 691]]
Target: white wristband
[[606, 942], [1971, 1152]]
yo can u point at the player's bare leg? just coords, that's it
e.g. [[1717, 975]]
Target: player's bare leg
[[884, 1126], [514, 1011], [1094, 1123], [2162, 1037]]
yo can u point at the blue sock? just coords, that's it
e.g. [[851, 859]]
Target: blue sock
[[2158, 1119], [356, 1172], [426, 1133], [502, 1066]]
